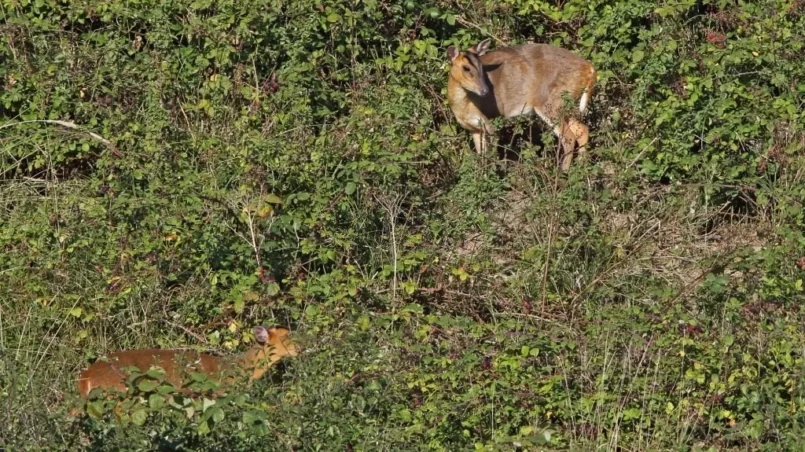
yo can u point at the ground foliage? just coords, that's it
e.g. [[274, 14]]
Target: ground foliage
[[174, 172]]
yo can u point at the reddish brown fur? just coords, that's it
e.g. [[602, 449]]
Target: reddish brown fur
[[520, 80], [272, 344]]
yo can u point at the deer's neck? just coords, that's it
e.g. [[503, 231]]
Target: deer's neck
[[455, 93], [255, 362]]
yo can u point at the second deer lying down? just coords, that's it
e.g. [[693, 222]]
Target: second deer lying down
[[272, 344], [520, 80]]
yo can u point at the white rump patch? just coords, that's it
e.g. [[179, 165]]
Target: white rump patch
[[585, 99]]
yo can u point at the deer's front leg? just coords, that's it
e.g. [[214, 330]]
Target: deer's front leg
[[483, 137]]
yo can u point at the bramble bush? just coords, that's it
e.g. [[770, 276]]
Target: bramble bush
[[174, 172]]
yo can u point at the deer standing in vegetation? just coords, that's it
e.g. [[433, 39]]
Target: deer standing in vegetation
[[520, 80], [272, 345]]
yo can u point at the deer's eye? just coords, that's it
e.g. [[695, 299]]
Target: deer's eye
[[466, 68]]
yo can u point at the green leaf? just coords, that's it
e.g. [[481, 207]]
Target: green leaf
[[146, 385], [96, 408], [272, 289], [637, 56], [203, 428], [198, 377], [405, 415], [249, 418], [218, 414], [139, 417], [350, 188], [273, 199], [409, 287], [238, 305], [631, 413], [206, 404], [156, 401], [156, 373], [333, 17]]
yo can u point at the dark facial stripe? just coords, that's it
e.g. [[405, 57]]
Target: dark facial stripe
[[474, 60]]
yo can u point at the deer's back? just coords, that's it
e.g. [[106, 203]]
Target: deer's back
[[530, 76], [112, 372]]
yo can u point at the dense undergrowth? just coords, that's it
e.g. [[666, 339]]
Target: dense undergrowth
[[174, 172]]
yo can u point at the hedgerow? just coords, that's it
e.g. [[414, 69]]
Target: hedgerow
[[174, 172]]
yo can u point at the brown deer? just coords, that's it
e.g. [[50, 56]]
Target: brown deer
[[272, 344], [520, 80]]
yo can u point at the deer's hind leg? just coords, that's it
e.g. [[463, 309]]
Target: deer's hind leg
[[570, 131], [582, 134], [567, 137]]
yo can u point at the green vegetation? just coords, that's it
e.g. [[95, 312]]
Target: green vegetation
[[295, 163]]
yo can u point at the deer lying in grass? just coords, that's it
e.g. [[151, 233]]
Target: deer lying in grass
[[520, 80], [272, 345]]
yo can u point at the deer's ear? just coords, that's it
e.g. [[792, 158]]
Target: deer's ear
[[482, 47], [261, 334], [452, 53]]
